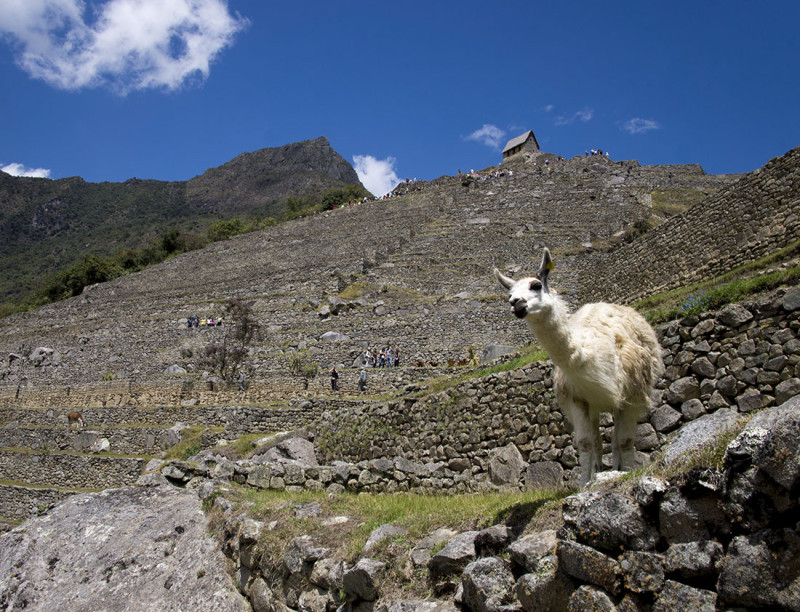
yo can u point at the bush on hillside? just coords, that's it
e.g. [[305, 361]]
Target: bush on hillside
[[231, 356]]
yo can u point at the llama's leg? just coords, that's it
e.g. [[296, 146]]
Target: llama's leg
[[586, 439], [622, 445]]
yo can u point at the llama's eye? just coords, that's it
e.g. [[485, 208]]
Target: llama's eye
[[536, 286]]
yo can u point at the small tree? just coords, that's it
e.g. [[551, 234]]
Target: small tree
[[230, 356], [300, 364]]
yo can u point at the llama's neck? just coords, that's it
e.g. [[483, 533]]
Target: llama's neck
[[552, 331]]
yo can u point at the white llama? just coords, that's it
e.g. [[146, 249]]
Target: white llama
[[607, 359]]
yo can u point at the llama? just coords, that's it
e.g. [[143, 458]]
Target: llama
[[77, 418], [607, 359]]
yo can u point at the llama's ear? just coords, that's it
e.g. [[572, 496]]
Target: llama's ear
[[545, 267], [502, 279]]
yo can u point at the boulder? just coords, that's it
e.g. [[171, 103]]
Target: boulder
[[149, 550], [454, 557], [421, 553], [488, 585], [677, 596], [756, 571], [384, 532], [361, 581], [612, 522], [291, 449], [699, 433], [301, 554], [692, 560], [505, 466], [544, 475], [528, 551], [544, 591], [586, 564], [734, 315]]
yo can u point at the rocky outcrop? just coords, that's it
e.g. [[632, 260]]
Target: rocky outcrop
[[123, 549], [707, 538]]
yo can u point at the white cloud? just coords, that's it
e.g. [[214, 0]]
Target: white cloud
[[582, 115], [122, 44], [377, 175], [549, 108], [20, 170], [489, 135], [638, 125]]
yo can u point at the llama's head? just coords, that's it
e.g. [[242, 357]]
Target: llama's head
[[529, 296]]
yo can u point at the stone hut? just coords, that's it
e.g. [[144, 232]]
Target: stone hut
[[525, 142]]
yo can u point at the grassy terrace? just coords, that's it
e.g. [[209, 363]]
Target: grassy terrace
[[734, 286], [354, 517]]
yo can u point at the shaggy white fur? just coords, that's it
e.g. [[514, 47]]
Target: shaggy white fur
[[607, 357]]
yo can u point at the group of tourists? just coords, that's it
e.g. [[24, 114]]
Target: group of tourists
[[362, 379], [596, 152], [195, 321], [387, 357]]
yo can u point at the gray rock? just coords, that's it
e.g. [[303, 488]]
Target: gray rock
[[699, 434], [361, 581], [488, 585], [421, 553], [301, 554], [649, 490], [291, 449], [327, 574], [260, 476], [529, 550], [128, 549], [750, 401], [314, 600], [693, 560], [492, 539], [454, 557], [333, 336], [787, 390], [755, 572], [665, 418], [384, 532], [175, 369], [547, 591], [791, 300], [683, 390], [544, 475], [734, 315], [779, 455], [493, 351], [588, 597], [505, 466], [643, 571], [612, 522], [744, 447], [677, 596], [586, 564]]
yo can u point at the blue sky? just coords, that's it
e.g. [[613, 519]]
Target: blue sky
[[165, 89]]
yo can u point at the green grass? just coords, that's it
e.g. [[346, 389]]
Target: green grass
[[731, 287], [419, 514], [671, 202], [528, 355], [190, 443]]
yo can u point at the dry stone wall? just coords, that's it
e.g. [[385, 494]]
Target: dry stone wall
[[73, 471], [744, 357], [21, 503], [752, 218]]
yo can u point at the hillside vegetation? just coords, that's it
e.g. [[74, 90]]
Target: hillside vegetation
[[58, 235]]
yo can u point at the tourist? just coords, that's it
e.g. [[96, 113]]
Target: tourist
[[334, 379], [362, 380]]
